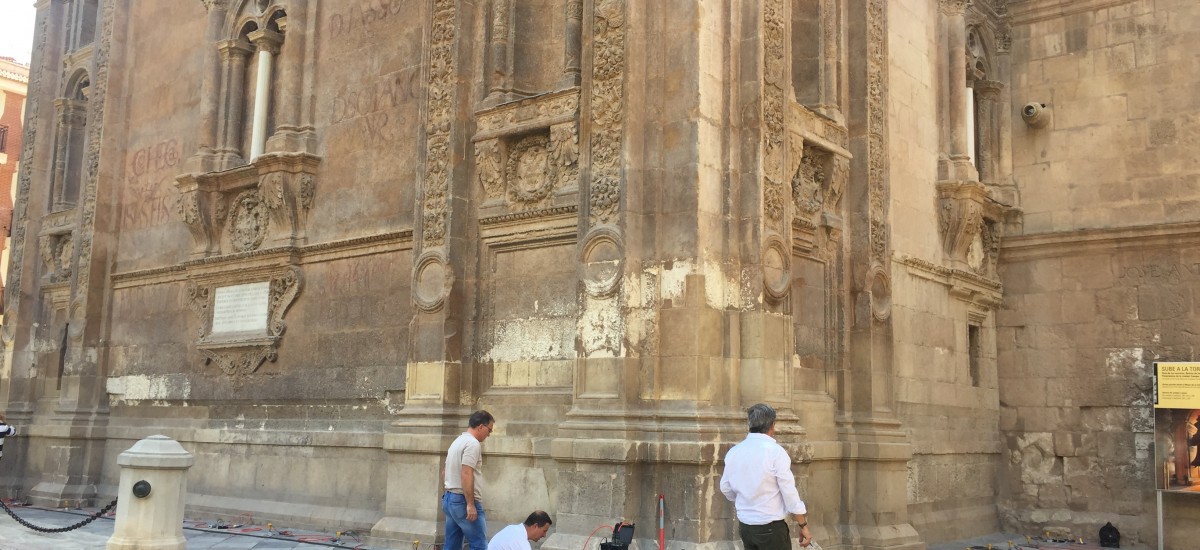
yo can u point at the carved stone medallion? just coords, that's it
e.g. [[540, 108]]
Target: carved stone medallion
[[527, 172], [248, 222]]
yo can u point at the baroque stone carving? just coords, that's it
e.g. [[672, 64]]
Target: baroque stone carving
[[440, 100], [248, 221], [774, 102], [215, 209], [528, 170], [877, 162], [960, 220], [57, 252], [564, 154], [607, 103], [487, 168], [808, 184], [240, 353], [96, 103]]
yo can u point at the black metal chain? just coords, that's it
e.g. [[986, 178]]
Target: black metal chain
[[86, 520]]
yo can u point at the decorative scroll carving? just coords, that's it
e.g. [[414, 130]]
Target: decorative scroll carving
[[527, 172], [283, 184], [564, 154], [487, 168], [198, 300], [442, 69], [241, 353], [961, 220], [607, 105]]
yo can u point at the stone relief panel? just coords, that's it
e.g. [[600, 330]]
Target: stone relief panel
[[607, 110], [241, 316], [57, 252], [527, 155]]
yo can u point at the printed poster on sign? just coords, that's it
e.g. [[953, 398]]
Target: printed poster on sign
[[1176, 387]]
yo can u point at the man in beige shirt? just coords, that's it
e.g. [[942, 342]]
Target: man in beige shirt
[[463, 499]]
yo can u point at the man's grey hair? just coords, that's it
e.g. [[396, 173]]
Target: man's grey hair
[[760, 417]]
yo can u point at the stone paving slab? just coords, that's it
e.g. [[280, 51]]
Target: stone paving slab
[[94, 536]]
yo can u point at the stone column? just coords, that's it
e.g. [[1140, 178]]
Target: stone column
[[572, 42], [831, 59], [987, 94], [877, 449], [958, 164], [234, 54], [267, 43], [62, 134], [210, 87], [289, 97], [499, 65], [151, 495]]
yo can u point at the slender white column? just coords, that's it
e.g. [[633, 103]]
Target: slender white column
[[267, 43]]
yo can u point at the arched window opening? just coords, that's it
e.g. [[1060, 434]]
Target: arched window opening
[[81, 24], [248, 71], [69, 143]]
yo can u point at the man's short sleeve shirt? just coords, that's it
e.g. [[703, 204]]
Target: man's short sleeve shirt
[[465, 451]]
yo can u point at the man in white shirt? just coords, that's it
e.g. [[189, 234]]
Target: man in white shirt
[[758, 480], [463, 499], [517, 536]]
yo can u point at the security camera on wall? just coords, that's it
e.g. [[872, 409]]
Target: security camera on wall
[[1036, 115]]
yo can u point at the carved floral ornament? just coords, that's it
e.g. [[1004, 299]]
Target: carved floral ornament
[[222, 316], [968, 223], [526, 151]]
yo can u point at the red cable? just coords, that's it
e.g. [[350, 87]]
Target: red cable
[[589, 537]]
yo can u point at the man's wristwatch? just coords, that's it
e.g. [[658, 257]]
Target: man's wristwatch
[[802, 525]]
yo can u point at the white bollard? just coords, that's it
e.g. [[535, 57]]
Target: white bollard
[[150, 497]]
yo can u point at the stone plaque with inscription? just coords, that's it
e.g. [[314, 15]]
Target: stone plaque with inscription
[[241, 308]]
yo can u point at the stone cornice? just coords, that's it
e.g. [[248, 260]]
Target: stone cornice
[[314, 253], [1031, 11], [966, 286], [1019, 248]]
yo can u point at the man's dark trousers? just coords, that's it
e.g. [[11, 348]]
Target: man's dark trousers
[[772, 536]]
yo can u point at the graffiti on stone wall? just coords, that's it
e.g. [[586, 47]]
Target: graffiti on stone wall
[[359, 20], [149, 195], [374, 107]]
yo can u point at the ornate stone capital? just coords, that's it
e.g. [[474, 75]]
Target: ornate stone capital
[[266, 40], [988, 90], [954, 7], [234, 49]]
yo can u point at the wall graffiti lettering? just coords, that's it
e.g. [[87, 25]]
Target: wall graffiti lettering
[[358, 19], [149, 191], [376, 107], [1159, 271]]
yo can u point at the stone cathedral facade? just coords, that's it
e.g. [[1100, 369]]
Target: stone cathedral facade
[[306, 238]]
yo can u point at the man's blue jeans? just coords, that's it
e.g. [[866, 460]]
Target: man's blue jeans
[[457, 525]]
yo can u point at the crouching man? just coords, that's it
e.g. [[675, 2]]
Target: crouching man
[[517, 537]]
